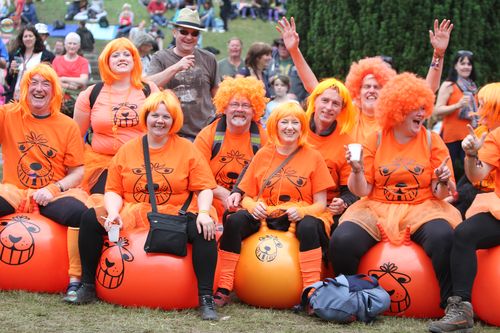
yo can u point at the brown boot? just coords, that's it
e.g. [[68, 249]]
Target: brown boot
[[459, 317]]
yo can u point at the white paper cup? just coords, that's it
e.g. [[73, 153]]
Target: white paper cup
[[114, 233], [355, 149]]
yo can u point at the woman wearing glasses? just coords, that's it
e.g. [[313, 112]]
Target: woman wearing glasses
[[456, 101]]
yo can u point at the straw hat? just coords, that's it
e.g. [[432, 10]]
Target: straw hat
[[189, 19]]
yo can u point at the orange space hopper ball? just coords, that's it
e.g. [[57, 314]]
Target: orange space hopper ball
[[33, 253], [268, 273], [127, 275], [406, 273], [486, 289]]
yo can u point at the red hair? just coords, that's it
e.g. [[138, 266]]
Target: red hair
[[359, 70], [248, 87], [283, 110], [403, 94], [48, 73], [171, 102], [107, 74]]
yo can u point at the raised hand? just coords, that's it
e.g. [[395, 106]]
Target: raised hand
[[472, 143], [288, 33], [440, 37], [442, 172]]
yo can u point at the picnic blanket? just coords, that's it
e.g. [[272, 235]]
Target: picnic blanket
[[99, 33]]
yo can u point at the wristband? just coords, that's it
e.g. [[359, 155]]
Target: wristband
[[201, 211], [53, 189], [58, 184], [359, 171]]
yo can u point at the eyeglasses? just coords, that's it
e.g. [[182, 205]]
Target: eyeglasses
[[244, 106], [465, 53], [194, 33]]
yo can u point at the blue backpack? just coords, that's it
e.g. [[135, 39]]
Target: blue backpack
[[345, 299]]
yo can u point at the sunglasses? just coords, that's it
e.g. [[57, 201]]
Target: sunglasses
[[194, 33], [465, 53]]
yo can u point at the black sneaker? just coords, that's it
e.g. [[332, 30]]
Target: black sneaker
[[207, 308], [458, 318], [84, 295]]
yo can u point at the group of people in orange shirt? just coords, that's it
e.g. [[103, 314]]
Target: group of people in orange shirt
[[298, 170]]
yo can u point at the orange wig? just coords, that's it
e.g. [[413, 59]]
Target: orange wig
[[48, 73], [347, 117], [288, 109], [375, 66], [171, 102], [403, 94], [115, 45], [248, 87], [489, 100]]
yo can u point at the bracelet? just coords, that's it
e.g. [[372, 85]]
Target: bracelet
[[58, 184], [201, 211], [359, 171], [479, 164]]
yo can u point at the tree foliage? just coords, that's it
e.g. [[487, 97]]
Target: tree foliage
[[334, 33]]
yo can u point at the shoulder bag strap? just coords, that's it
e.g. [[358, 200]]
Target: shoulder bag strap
[[152, 198], [276, 170]]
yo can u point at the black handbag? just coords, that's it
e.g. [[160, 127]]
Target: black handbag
[[167, 233]]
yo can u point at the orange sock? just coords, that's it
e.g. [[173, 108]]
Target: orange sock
[[310, 266], [75, 266], [228, 262]]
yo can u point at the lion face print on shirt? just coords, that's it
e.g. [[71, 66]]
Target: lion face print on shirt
[[401, 179], [284, 186], [162, 188], [125, 115], [35, 169]]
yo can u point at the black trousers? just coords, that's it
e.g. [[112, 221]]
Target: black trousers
[[481, 231], [91, 240], [66, 211], [350, 242], [310, 231]]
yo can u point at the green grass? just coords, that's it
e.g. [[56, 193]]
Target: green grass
[[248, 31], [30, 312]]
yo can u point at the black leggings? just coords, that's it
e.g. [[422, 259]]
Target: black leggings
[[481, 231], [66, 211], [457, 155], [100, 185], [350, 242], [91, 240], [241, 224]]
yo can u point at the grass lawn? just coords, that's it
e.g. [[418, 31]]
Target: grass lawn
[[29, 312], [248, 31]]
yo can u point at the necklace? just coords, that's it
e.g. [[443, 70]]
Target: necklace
[[113, 111]]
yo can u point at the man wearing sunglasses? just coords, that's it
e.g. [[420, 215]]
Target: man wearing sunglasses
[[189, 71]]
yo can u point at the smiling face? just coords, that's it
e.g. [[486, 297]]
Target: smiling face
[[29, 39], [72, 46], [239, 112], [234, 48], [327, 107], [463, 67], [121, 62], [159, 122], [39, 95], [412, 123], [263, 61], [370, 89], [289, 129], [186, 40]]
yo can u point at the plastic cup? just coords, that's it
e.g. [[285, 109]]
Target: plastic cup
[[114, 233], [355, 149]]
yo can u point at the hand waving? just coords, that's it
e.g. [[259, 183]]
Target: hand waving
[[440, 37], [288, 33]]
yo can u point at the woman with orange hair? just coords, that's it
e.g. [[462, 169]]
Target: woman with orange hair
[[43, 152], [279, 185], [111, 109], [404, 175], [231, 141], [481, 229], [368, 76], [178, 170]]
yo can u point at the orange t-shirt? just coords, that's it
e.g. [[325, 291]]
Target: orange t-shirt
[[303, 176], [365, 126], [235, 152], [37, 152], [488, 183], [331, 148], [402, 173], [454, 128], [490, 153], [177, 168], [114, 117]]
